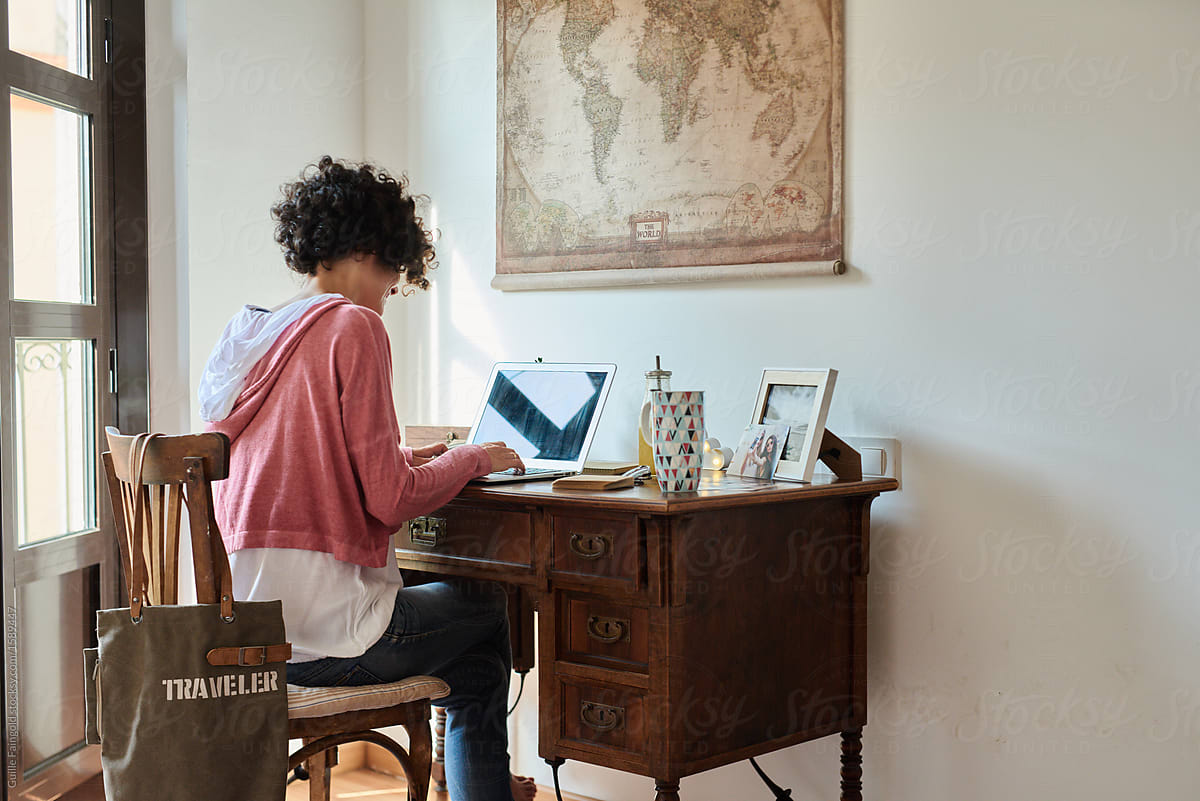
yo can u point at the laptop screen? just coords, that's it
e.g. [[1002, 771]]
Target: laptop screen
[[541, 414]]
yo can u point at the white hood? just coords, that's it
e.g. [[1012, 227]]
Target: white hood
[[245, 340]]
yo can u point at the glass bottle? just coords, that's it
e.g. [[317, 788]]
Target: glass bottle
[[657, 379]]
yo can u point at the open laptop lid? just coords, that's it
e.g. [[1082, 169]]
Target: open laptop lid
[[547, 413]]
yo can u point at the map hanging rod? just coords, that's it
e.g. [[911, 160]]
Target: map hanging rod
[[586, 279]]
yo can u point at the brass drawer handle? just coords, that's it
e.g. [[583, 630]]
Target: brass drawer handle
[[601, 717], [427, 531], [608, 629], [590, 546]]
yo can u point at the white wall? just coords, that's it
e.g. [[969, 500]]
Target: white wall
[[1025, 239], [166, 166], [387, 121], [271, 86]]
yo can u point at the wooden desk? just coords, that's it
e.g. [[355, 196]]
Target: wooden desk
[[678, 633]]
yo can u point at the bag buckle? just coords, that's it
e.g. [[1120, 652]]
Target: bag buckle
[[258, 650]]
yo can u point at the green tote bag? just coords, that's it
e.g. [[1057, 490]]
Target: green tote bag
[[188, 703]]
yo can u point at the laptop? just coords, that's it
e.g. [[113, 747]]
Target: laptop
[[547, 413]]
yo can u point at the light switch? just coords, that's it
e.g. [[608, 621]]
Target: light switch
[[873, 461]]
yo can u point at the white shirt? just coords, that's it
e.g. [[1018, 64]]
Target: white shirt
[[330, 608]]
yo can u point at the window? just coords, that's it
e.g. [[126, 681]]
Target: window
[[71, 174]]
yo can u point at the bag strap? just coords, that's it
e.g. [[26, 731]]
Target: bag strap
[[249, 655], [210, 560], [223, 571], [138, 573]]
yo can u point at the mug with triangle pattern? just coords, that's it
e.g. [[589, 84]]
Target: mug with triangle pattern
[[678, 418]]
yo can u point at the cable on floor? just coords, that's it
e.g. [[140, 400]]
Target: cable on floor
[[780, 793]]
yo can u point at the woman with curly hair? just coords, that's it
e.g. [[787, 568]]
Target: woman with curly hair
[[318, 481]]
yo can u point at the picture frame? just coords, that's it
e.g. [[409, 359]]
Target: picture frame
[[799, 398]]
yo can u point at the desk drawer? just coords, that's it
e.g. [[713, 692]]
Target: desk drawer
[[467, 534], [603, 717], [594, 631], [598, 549]]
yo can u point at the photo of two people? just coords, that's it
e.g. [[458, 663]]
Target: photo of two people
[[758, 451]]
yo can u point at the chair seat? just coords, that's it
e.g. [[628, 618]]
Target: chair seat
[[319, 702]]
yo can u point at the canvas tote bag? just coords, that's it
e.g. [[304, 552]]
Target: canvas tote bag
[[188, 703]]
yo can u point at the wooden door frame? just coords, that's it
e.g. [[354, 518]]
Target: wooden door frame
[[130, 191]]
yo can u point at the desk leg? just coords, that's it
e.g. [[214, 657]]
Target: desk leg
[[439, 750], [852, 765], [666, 790]]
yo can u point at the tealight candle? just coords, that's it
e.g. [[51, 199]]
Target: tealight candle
[[716, 457]]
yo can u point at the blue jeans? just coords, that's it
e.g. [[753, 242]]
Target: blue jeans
[[458, 631]]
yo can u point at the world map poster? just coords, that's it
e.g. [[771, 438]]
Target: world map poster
[[649, 135]]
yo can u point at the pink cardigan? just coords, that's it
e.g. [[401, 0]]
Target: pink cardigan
[[316, 461]]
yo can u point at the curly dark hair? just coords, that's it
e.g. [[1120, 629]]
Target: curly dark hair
[[338, 208]]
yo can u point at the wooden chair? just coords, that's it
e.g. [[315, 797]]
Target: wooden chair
[[178, 472]]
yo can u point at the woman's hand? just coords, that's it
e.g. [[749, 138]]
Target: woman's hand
[[430, 451], [503, 457]]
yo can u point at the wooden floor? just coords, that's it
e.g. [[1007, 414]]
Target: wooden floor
[[371, 786], [350, 784]]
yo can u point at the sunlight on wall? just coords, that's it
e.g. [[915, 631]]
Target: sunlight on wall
[[459, 312], [478, 337]]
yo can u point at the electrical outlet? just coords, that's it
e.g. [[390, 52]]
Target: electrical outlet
[[880, 456]]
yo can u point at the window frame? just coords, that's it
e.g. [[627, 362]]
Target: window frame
[[114, 97]]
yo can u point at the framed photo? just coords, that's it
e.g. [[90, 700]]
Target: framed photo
[[758, 451], [798, 399]]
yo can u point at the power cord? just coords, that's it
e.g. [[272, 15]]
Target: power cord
[[520, 690], [780, 793], [554, 765]]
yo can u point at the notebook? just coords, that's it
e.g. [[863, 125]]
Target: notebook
[[548, 413]]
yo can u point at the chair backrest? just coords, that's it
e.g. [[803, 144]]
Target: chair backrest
[[154, 476]]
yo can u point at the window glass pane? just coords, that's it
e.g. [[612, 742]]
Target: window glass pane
[[52, 31], [51, 661], [52, 215], [55, 438]]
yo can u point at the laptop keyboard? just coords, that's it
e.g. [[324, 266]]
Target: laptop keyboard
[[529, 471]]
